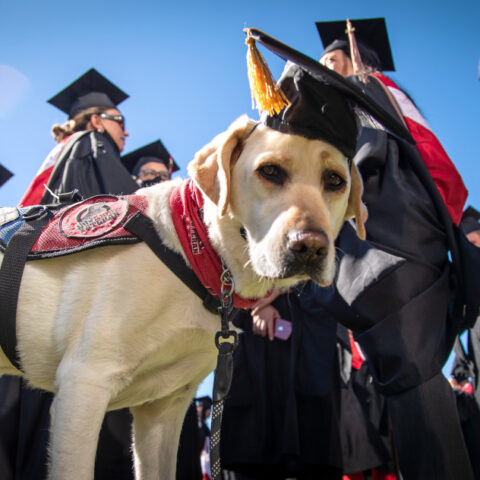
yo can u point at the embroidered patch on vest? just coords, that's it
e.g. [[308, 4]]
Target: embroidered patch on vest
[[91, 223], [94, 217]]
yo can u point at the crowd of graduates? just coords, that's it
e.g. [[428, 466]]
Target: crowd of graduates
[[329, 383]]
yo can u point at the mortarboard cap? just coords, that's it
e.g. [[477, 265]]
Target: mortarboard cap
[[153, 152], [372, 39], [90, 90], [5, 174], [470, 220], [320, 103]]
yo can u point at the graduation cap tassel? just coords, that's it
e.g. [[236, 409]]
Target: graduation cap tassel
[[266, 96], [356, 58]]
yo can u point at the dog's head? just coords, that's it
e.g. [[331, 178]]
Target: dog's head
[[290, 196]]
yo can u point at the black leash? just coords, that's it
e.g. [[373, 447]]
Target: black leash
[[223, 371]]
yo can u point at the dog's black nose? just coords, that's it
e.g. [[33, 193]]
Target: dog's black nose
[[307, 246]]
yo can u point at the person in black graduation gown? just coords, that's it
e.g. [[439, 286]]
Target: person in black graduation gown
[[465, 370], [204, 409], [281, 417], [366, 441], [399, 310], [305, 411], [88, 159], [393, 290], [150, 164], [188, 456]]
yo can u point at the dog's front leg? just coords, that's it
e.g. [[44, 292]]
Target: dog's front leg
[[157, 426], [77, 414]]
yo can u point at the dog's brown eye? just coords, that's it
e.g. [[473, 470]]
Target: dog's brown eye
[[333, 181], [273, 174]]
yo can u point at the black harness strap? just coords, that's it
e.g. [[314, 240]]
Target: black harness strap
[[11, 274], [142, 227]]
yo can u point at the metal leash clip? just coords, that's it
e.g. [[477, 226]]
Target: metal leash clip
[[226, 291]]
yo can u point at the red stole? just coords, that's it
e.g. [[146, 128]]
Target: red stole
[[36, 189], [441, 168]]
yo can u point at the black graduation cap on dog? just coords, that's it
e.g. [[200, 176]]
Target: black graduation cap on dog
[[153, 152], [310, 99], [92, 89], [372, 40]]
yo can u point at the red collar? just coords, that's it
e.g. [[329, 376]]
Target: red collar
[[186, 205]]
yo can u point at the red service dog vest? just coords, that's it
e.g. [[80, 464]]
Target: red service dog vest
[[91, 223]]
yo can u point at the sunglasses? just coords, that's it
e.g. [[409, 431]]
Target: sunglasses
[[120, 119], [148, 174]]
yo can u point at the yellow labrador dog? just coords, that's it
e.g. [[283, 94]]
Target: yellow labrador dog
[[112, 327]]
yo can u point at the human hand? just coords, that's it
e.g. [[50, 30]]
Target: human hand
[[264, 321]]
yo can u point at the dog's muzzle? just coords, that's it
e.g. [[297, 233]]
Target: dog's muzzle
[[306, 253], [307, 247]]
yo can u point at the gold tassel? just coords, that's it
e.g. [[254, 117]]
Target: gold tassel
[[358, 67], [265, 94]]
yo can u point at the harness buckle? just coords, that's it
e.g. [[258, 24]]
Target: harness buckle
[[34, 212]]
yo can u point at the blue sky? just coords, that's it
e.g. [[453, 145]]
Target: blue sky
[[183, 65]]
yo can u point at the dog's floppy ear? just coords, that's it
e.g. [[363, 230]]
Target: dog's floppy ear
[[356, 208], [212, 165]]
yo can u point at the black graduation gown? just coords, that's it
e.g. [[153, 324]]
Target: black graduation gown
[[366, 443], [281, 417], [393, 292], [93, 166]]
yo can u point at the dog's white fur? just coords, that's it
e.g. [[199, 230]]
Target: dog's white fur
[[112, 327]]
